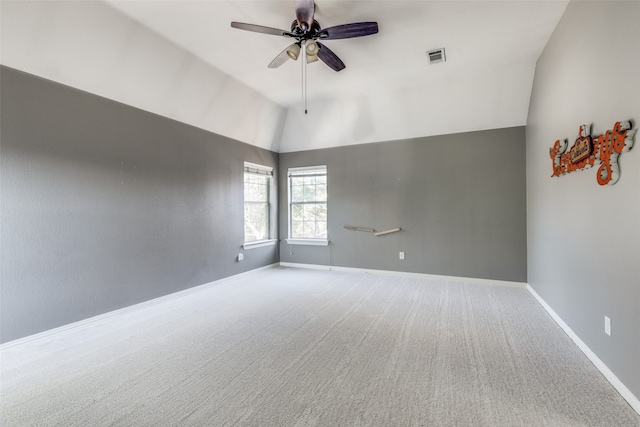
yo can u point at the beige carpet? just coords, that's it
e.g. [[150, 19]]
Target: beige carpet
[[292, 347]]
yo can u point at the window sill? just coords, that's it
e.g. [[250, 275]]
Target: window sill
[[259, 244], [309, 242]]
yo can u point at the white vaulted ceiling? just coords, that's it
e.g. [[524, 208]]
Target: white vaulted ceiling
[[181, 59]]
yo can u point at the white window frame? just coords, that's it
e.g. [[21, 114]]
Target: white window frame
[[256, 169], [304, 240]]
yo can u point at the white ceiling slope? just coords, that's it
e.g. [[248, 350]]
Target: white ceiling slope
[[180, 60], [93, 47]]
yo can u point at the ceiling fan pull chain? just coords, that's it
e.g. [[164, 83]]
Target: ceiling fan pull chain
[[305, 77]]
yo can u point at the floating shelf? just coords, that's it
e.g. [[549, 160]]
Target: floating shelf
[[371, 230]]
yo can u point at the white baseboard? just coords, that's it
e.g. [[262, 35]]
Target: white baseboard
[[633, 401], [407, 274], [71, 327], [309, 266]]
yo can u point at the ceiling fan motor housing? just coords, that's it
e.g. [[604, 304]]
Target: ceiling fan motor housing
[[302, 34]]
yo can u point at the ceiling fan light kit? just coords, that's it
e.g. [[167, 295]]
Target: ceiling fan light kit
[[307, 31]]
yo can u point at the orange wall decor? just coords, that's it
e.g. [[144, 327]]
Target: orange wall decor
[[587, 150]]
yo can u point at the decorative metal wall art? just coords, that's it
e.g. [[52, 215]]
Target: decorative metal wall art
[[587, 150]]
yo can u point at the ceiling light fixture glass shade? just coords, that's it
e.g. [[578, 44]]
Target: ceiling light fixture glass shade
[[311, 48], [294, 51]]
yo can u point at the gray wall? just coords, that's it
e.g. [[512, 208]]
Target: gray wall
[[460, 200], [584, 239], [104, 205]]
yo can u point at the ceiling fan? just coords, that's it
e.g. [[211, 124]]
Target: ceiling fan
[[307, 33]]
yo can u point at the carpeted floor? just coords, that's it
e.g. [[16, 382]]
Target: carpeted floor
[[293, 347]]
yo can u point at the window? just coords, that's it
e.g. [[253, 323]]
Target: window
[[308, 205], [258, 189]]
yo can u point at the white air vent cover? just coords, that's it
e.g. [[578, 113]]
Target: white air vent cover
[[436, 55]]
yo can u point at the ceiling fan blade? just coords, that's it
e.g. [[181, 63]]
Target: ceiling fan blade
[[347, 31], [260, 29], [331, 59], [281, 58], [305, 10]]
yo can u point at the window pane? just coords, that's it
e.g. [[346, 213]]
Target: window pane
[[256, 221], [297, 229], [321, 193], [297, 212], [310, 212], [256, 188], [262, 193], [297, 192], [321, 212], [321, 229], [309, 229], [309, 193]]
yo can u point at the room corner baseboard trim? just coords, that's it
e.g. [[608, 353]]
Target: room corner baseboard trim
[[407, 274], [626, 394], [71, 327], [309, 266]]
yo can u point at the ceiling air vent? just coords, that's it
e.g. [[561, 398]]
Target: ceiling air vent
[[436, 56]]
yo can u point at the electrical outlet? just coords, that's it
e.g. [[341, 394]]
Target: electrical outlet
[[401, 255], [607, 325], [240, 257]]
